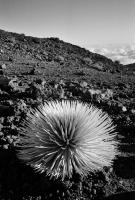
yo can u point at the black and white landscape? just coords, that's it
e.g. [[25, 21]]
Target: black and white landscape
[[67, 50]]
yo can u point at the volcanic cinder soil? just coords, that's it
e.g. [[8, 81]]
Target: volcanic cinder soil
[[35, 70]]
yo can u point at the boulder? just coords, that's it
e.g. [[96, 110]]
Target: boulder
[[3, 66]]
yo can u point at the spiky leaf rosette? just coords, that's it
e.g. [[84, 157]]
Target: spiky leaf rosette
[[61, 137]]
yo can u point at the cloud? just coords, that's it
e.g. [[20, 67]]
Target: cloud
[[124, 53]]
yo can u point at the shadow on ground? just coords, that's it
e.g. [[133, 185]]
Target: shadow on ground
[[18, 181], [125, 167]]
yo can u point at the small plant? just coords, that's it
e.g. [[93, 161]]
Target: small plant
[[61, 137]]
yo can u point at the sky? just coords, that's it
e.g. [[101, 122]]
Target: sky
[[81, 22]]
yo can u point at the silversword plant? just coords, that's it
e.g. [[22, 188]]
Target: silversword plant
[[61, 137]]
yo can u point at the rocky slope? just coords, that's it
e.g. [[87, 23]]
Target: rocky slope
[[130, 68], [34, 70]]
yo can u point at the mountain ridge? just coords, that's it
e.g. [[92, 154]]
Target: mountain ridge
[[51, 49]]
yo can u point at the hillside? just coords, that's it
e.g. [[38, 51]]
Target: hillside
[[129, 69], [27, 50], [35, 70]]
